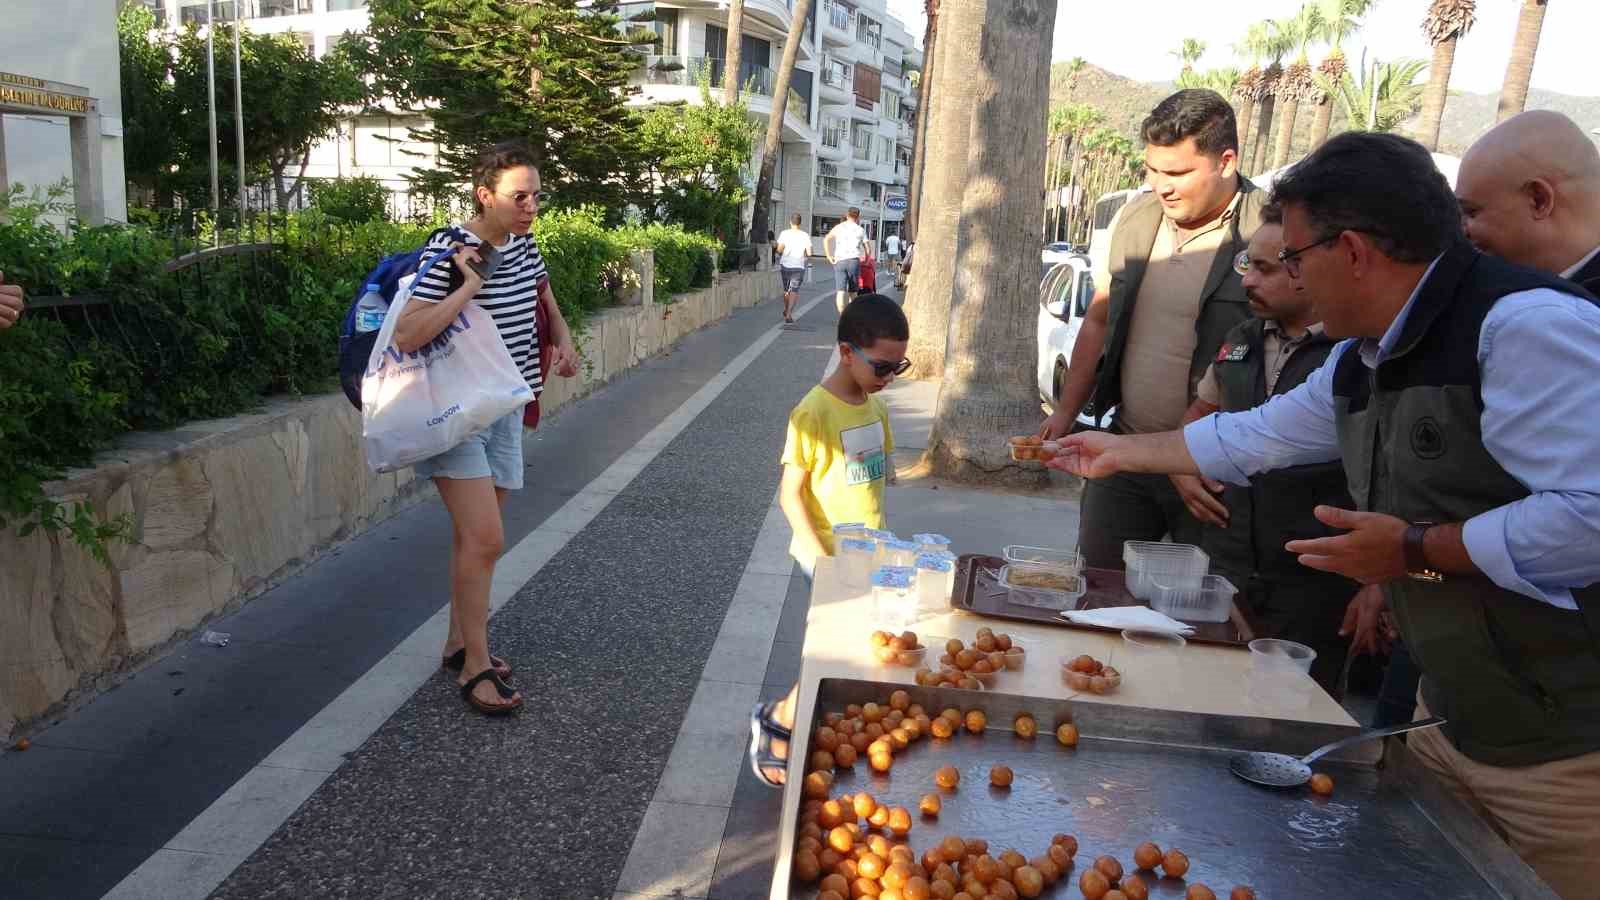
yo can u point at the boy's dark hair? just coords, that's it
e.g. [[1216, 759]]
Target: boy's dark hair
[[871, 318], [494, 161], [1382, 185], [1194, 113]]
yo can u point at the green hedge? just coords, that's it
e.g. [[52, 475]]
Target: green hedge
[[215, 339]]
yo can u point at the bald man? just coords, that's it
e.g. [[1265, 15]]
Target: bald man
[[1530, 192]]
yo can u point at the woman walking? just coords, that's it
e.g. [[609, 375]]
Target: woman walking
[[497, 266]]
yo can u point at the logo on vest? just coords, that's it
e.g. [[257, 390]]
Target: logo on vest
[[1233, 352], [1427, 439]]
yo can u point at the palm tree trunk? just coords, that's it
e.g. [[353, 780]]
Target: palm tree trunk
[[1524, 47], [944, 175], [1433, 99], [761, 215], [732, 53], [1323, 121], [1280, 153], [1246, 128], [988, 389], [919, 142], [1051, 163], [1258, 140]]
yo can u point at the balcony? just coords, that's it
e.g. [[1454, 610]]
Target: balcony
[[864, 110], [836, 78], [909, 99], [906, 135], [834, 142], [836, 189], [838, 24], [680, 71]]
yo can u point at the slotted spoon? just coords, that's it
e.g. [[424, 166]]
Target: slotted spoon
[[1284, 771]]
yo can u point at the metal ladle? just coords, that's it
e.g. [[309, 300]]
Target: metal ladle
[[1284, 771]]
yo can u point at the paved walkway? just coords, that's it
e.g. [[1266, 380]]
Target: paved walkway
[[646, 599]]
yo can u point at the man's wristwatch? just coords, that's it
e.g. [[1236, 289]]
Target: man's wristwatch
[[1416, 560]]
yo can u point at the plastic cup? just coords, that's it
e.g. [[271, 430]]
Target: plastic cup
[[1273, 654], [1280, 674]]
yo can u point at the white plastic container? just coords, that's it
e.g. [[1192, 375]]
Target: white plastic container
[[858, 559], [1176, 566], [936, 581], [894, 598], [1211, 601], [895, 552], [1041, 597], [932, 543]]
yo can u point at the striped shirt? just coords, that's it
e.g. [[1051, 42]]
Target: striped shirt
[[510, 296]]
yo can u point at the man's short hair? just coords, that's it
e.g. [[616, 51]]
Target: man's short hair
[[871, 318], [853, 212], [1272, 214], [1194, 113], [795, 220], [1382, 185]]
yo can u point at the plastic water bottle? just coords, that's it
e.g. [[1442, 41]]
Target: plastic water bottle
[[371, 309]]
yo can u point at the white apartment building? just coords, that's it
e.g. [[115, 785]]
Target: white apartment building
[[847, 120]]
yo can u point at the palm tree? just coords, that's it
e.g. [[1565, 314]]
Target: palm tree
[[1274, 43], [1189, 53], [1081, 118], [1447, 21], [761, 215], [1223, 80], [731, 54], [987, 390], [1248, 89], [1399, 94], [1296, 84], [1524, 47], [919, 141], [1340, 19]]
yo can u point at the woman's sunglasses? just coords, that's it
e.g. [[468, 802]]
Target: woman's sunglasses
[[880, 368]]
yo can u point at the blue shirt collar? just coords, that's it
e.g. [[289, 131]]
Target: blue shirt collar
[[1375, 352]]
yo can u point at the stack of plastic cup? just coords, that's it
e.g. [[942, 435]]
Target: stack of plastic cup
[[931, 543], [858, 559], [936, 580], [894, 597], [895, 552]]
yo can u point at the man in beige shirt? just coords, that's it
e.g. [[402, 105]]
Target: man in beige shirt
[[1160, 310]]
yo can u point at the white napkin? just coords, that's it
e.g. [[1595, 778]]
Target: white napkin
[[1141, 617]]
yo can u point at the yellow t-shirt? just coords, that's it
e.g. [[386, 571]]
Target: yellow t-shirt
[[845, 451]]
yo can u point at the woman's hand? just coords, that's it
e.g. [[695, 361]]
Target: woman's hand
[[565, 360], [470, 278]]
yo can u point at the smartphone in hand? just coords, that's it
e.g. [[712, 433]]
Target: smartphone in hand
[[489, 260]]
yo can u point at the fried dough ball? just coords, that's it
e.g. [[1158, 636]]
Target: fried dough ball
[[985, 643], [822, 761], [833, 815], [897, 875], [880, 845], [1134, 887], [833, 895], [942, 890], [903, 853], [806, 866], [986, 869], [852, 711], [1147, 856], [860, 741], [831, 860], [845, 756], [909, 638], [997, 660], [1067, 734], [846, 727], [1066, 842], [871, 865], [1013, 859], [872, 712], [864, 887], [1061, 855], [1241, 893], [873, 730], [976, 721], [1016, 658], [900, 821], [1002, 889], [1093, 884], [941, 728], [951, 713], [827, 739], [1078, 681], [900, 739], [1110, 868], [863, 805], [970, 684], [1198, 891], [899, 700], [1114, 894], [966, 659], [1174, 863], [881, 762], [1099, 684], [1025, 726], [817, 785], [1000, 776], [879, 817], [880, 638], [916, 888], [1047, 867], [1083, 663], [842, 839], [1321, 785], [930, 805], [837, 883]]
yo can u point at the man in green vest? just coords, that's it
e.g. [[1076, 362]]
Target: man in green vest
[[1464, 411], [1160, 311], [1244, 527]]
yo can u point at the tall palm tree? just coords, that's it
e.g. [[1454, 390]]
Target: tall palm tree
[[1081, 119], [1247, 91], [731, 54], [1399, 94], [1273, 44], [1447, 21], [1055, 140], [1189, 53], [1296, 84], [1223, 80], [1340, 19], [761, 216], [919, 140], [1524, 47]]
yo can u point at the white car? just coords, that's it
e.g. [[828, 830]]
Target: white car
[[1063, 299], [1056, 252]]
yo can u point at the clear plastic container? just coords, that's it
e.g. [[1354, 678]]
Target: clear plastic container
[[1179, 566], [936, 581], [1025, 584], [878, 534], [1210, 601], [895, 552], [1273, 654], [1280, 675], [858, 559], [931, 543], [894, 598], [849, 529]]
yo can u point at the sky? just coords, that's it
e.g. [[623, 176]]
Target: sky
[[1133, 38]]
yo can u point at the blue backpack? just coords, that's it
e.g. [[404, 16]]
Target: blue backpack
[[355, 347]]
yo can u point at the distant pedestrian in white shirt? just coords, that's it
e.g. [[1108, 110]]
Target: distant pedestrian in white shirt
[[794, 249], [891, 252], [842, 246]]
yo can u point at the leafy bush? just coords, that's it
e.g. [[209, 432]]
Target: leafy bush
[[359, 199], [578, 250], [683, 258]]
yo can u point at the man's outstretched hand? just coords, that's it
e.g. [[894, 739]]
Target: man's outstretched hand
[[1091, 454]]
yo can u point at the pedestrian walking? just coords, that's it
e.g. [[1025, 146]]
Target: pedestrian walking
[[794, 254], [500, 268], [842, 247], [891, 254], [1462, 409], [1160, 312], [867, 282], [902, 276]]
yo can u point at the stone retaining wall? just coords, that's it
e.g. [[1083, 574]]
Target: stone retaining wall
[[225, 509]]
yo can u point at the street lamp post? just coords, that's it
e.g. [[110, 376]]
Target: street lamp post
[[211, 103], [238, 102]]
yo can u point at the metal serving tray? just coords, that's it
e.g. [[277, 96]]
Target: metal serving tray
[[1141, 774]]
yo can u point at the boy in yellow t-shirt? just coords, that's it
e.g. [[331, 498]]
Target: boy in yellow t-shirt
[[836, 459]]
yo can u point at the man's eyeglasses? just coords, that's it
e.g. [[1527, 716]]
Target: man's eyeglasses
[[1291, 258], [880, 368]]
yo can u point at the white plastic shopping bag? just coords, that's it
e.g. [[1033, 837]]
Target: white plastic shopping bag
[[418, 405]]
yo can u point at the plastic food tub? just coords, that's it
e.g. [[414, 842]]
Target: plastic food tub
[[858, 559], [894, 598], [895, 552], [1210, 601], [1042, 597], [1177, 566], [930, 543], [936, 580]]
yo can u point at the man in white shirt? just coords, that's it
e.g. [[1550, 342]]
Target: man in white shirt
[[891, 249], [794, 249], [1530, 192], [842, 246]]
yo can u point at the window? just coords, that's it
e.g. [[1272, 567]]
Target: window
[[337, 5], [377, 141], [835, 133], [869, 30], [158, 8], [861, 137], [891, 104], [820, 226], [875, 192], [885, 151]]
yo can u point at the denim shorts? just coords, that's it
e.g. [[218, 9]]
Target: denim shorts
[[495, 452], [846, 274], [792, 279]]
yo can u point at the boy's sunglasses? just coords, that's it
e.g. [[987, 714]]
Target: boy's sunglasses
[[880, 368]]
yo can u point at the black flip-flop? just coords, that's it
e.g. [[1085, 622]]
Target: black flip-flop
[[506, 693], [763, 729], [457, 661]]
